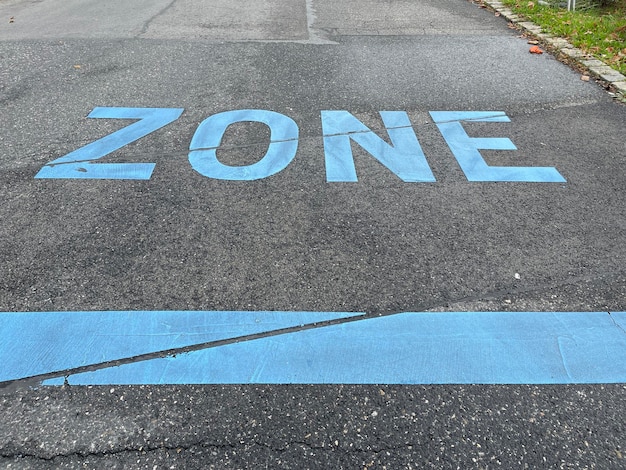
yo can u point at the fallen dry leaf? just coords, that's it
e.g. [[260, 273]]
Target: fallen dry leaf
[[532, 41], [535, 50], [585, 78]]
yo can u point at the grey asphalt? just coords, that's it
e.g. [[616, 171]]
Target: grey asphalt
[[181, 241]]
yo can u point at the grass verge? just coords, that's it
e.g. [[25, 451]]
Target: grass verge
[[599, 31]]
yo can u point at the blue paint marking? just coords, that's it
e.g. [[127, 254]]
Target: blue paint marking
[[405, 158], [42, 342], [79, 163], [466, 149], [208, 137], [405, 348]]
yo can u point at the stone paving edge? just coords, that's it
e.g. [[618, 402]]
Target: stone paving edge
[[611, 78]]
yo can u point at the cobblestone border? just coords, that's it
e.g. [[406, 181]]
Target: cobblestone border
[[614, 80]]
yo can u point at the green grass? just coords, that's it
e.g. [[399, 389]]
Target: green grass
[[597, 31]]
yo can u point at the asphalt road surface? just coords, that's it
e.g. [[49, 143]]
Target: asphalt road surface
[[305, 234]]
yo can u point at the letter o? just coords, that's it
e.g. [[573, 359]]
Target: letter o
[[208, 137]]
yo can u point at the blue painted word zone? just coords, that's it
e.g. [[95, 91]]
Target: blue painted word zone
[[404, 157]]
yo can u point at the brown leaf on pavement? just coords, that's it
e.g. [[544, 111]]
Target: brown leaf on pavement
[[535, 50]]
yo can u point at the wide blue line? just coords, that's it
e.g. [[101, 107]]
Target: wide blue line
[[34, 343], [406, 348]]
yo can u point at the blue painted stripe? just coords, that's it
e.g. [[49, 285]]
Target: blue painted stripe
[[37, 343], [406, 348]]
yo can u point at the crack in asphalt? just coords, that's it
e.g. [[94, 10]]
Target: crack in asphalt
[[105, 453], [146, 25], [619, 327], [11, 385], [144, 450]]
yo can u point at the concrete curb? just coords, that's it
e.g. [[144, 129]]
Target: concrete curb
[[613, 80]]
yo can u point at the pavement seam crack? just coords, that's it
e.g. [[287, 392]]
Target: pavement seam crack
[[144, 450], [619, 327], [104, 453], [146, 25], [73, 162], [374, 130], [296, 139], [37, 379]]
